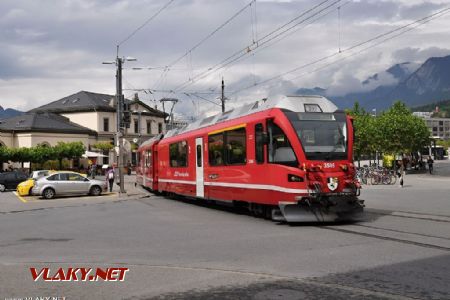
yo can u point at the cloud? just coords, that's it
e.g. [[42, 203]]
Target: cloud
[[49, 50]]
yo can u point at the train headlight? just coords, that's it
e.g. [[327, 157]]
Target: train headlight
[[295, 178]]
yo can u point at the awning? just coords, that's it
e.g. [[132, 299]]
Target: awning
[[92, 154]]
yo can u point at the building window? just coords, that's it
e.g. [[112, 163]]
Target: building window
[[149, 127], [160, 128], [106, 158], [136, 126], [106, 124], [178, 154]]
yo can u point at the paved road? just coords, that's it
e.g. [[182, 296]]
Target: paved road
[[180, 250]]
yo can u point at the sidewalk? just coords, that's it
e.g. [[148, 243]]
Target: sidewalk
[[130, 189]]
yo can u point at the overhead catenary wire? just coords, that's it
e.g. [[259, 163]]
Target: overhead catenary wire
[[188, 53], [260, 42], [211, 34], [145, 23], [395, 33]]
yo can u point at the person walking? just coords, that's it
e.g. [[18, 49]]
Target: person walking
[[401, 173], [110, 178], [430, 164]]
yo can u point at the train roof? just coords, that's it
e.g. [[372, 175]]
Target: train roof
[[292, 103], [308, 103]]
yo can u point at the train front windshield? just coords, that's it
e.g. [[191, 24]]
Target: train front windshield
[[323, 136]]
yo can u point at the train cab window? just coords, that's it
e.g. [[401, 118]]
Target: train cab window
[[178, 154], [259, 143], [215, 149], [280, 149]]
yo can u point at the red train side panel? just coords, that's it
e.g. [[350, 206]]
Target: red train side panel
[[294, 154]]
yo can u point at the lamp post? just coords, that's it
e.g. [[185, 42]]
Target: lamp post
[[121, 127]]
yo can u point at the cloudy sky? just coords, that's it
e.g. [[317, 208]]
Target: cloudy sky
[[51, 49]]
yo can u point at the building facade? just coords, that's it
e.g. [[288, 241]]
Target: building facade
[[84, 116]]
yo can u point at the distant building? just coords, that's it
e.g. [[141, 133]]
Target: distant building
[[423, 114], [439, 127], [84, 116]]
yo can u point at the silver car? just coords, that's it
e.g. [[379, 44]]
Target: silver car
[[65, 183]]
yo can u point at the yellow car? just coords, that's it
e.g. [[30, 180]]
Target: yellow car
[[24, 188]]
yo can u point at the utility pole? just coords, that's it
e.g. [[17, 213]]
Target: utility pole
[[123, 116], [120, 127], [222, 99]]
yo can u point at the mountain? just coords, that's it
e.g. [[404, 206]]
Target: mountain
[[9, 112], [411, 83]]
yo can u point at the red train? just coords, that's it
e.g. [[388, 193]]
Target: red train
[[288, 159]]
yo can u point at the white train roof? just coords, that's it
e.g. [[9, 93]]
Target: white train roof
[[293, 103]]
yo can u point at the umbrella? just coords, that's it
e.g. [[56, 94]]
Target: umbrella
[[92, 154]]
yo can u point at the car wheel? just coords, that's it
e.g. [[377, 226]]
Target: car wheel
[[96, 190], [30, 192], [2, 188], [48, 193]]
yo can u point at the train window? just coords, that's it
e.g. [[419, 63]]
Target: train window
[[259, 143], [215, 149], [280, 149], [178, 154], [199, 155], [148, 158], [236, 149]]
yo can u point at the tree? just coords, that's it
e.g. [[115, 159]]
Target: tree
[[68, 150], [103, 146], [401, 131]]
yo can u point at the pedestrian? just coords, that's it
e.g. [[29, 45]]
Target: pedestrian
[[129, 168], [93, 171], [110, 178], [430, 164], [401, 173]]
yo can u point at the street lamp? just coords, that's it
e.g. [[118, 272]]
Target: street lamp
[[121, 127]]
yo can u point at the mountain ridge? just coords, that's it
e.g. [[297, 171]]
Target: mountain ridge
[[414, 84]]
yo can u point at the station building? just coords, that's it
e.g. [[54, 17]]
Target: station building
[[84, 116]]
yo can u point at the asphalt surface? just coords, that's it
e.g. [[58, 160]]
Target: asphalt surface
[[180, 249]]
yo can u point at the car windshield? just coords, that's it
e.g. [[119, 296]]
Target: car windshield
[[323, 135]]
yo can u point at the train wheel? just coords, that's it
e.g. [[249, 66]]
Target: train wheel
[[268, 212]]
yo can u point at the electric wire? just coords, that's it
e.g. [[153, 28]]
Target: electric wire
[[260, 42], [399, 31], [145, 23]]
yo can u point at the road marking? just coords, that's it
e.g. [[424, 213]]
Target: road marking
[[20, 197]]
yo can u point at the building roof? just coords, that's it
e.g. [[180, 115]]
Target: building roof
[[84, 101], [43, 122]]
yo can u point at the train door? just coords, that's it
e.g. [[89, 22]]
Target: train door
[[199, 167]]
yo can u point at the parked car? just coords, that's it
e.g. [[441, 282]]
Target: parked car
[[24, 188], [67, 183], [10, 180]]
